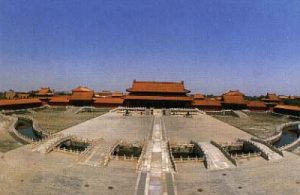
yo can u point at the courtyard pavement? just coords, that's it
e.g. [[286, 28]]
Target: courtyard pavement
[[24, 171]]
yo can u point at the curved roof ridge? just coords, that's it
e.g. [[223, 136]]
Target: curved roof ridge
[[159, 82]]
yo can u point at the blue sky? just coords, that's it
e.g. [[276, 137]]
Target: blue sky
[[212, 45]]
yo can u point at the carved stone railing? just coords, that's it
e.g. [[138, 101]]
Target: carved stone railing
[[246, 155], [172, 159], [56, 143], [111, 149], [189, 159], [274, 138], [16, 134], [291, 146], [286, 127], [25, 110], [140, 160], [205, 159], [296, 143], [263, 153], [222, 113], [268, 151], [226, 154], [131, 108], [126, 158], [36, 126], [286, 115], [43, 140], [184, 111], [200, 111], [88, 109], [117, 157]]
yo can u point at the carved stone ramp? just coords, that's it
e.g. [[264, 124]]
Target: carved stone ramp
[[51, 143], [270, 154], [215, 159], [156, 174]]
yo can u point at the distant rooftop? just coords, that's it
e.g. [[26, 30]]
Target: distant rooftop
[[234, 93], [198, 96], [19, 101], [160, 87], [81, 89]]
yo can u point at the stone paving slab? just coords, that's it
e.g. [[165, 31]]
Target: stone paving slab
[[113, 126], [257, 176], [201, 128], [26, 172]]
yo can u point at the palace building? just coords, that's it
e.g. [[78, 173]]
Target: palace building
[[158, 95], [111, 99], [234, 100], [150, 94], [256, 106], [207, 104], [287, 109], [82, 96], [59, 100], [111, 102], [272, 100], [44, 94]]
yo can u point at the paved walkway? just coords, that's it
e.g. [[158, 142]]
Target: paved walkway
[[214, 157], [156, 172], [265, 149]]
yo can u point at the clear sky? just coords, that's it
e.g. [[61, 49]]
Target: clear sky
[[214, 46]]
